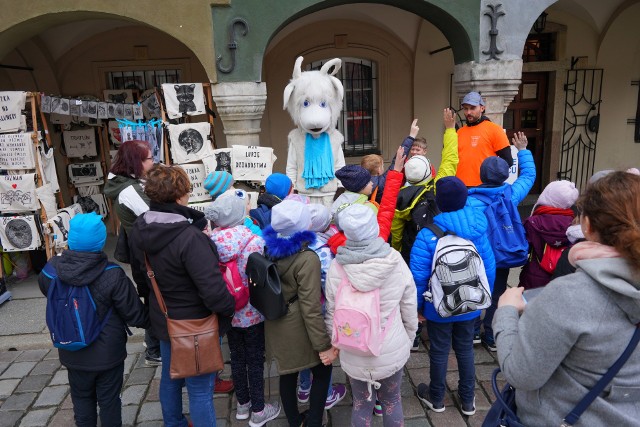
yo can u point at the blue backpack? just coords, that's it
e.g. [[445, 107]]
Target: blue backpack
[[506, 232], [72, 317]]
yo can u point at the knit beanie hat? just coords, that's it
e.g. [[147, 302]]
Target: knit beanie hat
[[417, 170], [494, 171], [353, 177], [320, 217], [87, 233], [228, 210], [358, 222], [451, 194], [558, 194], [289, 217], [599, 175], [278, 184], [217, 183]]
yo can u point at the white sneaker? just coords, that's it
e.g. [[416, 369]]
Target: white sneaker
[[270, 411], [243, 411]]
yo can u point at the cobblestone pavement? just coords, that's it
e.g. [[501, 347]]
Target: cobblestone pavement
[[34, 392]]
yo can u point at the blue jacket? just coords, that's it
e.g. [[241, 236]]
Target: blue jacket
[[519, 189], [468, 223]]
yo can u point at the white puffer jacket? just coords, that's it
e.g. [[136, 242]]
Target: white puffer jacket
[[392, 276]]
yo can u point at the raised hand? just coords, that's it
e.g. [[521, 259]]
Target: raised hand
[[519, 141], [449, 118], [400, 158], [414, 129]]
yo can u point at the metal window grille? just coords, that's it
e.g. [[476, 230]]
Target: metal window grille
[[142, 79], [358, 120]]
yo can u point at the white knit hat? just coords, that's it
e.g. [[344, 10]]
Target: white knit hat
[[558, 194], [320, 217], [289, 217], [418, 170], [358, 222]]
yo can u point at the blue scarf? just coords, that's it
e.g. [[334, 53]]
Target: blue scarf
[[318, 161]]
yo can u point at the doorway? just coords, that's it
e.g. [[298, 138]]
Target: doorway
[[526, 114]]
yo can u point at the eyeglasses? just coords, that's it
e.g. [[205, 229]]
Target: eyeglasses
[[149, 158]]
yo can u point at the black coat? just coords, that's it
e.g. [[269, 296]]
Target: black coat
[[111, 288], [185, 263]]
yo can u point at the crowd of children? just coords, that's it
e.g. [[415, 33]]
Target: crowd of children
[[389, 241]]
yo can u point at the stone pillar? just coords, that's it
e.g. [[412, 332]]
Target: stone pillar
[[240, 106], [497, 81]]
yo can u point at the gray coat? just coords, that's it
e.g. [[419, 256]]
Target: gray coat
[[567, 338]]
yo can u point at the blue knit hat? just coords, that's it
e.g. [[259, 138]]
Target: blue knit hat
[[353, 177], [494, 170], [217, 183], [278, 184], [451, 194], [87, 233]]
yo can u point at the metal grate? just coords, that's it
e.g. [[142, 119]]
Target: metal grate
[[358, 120], [142, 79]]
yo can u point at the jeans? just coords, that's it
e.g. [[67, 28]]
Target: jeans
[[317, 398], [442, 337], [200, 390], [499, 286], [247, 364], [305, 381], [389, 397], [89, 389]]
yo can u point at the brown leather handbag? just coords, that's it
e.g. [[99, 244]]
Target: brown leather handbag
[[195, 343]]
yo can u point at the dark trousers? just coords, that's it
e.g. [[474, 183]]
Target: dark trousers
[[102, 388], [317, 398], [153, 344], [247, 364], [499, 286]]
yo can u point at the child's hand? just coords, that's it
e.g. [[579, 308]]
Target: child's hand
[[519, 141], [414, 129], [449, 118], [400, 159], [328, 356], [513, 297]]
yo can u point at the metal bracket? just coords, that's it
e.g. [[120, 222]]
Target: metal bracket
[[493, 51], [232, 45]]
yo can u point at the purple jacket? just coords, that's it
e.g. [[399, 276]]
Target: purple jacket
[[542, 229]]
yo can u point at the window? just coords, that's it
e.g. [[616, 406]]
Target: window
[[540, 47], [142, 79], [359, 117]]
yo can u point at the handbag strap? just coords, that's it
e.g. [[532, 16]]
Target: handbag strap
[[575, 414], [152, 277]]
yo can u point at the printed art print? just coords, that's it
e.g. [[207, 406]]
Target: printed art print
[[11, 105], [16, 151], [251, 163], [92, 203], [80, 143], [118, 96], [190, 142], [19, 233], [18, 193], [220, 161], [60, 224], [187, 98], [150, 105], [197, 174]]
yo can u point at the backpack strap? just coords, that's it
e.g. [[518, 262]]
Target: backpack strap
[[439, 232]]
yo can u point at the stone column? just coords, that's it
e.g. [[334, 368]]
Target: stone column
[[497, 81], [240, 106]]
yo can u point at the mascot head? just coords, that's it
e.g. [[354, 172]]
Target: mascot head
[[314, 98]]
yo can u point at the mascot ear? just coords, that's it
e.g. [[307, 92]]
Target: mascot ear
[[297, 68], [337, 84], [287, 94], [335, 62]]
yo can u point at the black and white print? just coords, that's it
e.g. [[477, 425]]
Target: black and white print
[[18, 193], [45, 103], [102, 110], [150, 105], [190, 142], [182, 99], [16, 151], [11, 105], [118, 96], [80, 143], [92, 203], [19, 233]]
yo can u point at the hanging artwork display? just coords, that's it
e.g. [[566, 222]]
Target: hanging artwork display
[[80, 143], [85, 173], [19, 233], [11, 104], [114, 133], [59, 119], [190, 142], [16, 151], [150, 105], [197, 175], [182, 99], [220, 161], [118, 96], [60, 224], [92, 203], [18, 193], [60, 106], [45, 103], [251, 163]]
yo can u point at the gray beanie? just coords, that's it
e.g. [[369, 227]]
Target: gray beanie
[[358, 222], [289, 217], [229, 209], [320, 217]]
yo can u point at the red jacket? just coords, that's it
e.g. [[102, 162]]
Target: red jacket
[[385, 213]]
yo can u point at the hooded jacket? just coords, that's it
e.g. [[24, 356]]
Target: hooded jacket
[[468, 223], [295, 339], [185, 263], [109, 289], [567, 338], [238, 243], [392, 277], [129, 198]]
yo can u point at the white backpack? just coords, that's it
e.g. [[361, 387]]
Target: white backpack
[[458, 282], [357, 323]]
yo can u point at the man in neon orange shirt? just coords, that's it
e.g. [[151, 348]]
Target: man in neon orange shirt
[[479, 139]]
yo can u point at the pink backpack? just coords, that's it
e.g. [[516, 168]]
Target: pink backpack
[[233, 280], [357, 323]]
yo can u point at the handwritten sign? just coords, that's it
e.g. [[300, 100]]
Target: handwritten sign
[[251, 163], [16, 151], [11, 103], [196, 174], [80, 143]]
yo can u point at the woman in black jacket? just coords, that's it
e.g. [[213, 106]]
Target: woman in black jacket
[[185, 263]]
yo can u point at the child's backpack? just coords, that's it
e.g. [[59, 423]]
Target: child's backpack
[[357, 323], [422, 215], [458, 282], [233, 280], [71, 314], [506, 232], [265, 289], [550, 257]]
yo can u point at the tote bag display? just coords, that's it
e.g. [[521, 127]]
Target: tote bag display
[[190, 142], [11, 105], [80, 143], [19, 233], [18, 193], [16, 151], [187, 98]]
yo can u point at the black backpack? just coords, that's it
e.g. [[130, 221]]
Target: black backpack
[[422, 215]]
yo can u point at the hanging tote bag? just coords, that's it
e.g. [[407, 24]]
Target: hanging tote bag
[[195, 343]]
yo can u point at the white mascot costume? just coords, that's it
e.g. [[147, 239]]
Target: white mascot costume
[[314, 101]]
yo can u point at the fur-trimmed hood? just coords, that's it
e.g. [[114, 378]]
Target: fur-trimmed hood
[[278, 247]]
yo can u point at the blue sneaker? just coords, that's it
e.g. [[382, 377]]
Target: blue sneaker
[[423, 395]]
